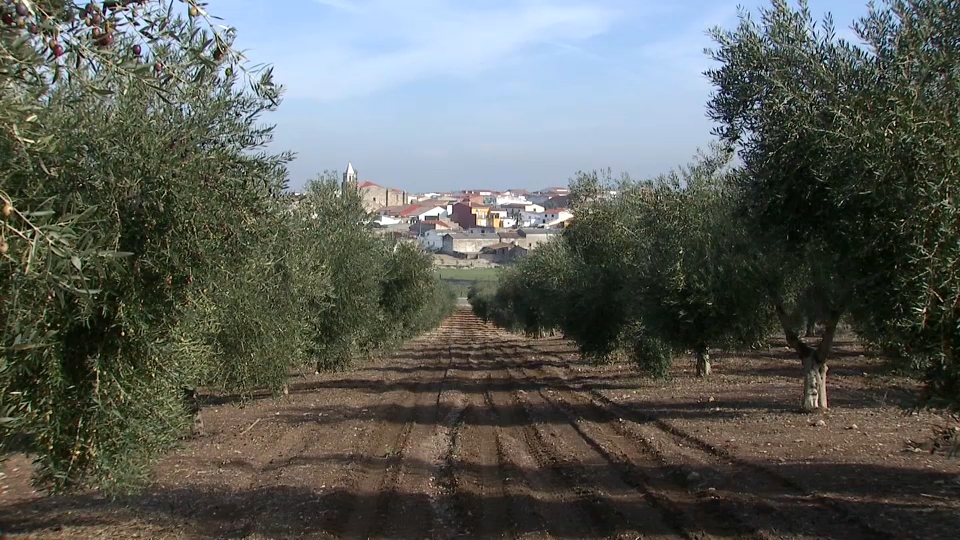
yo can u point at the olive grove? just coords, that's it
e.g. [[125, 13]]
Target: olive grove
[[146, 245], [841, 205]]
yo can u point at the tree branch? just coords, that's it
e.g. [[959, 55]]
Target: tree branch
[[830, 330], [792, 338]]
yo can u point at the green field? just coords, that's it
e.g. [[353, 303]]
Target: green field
[[469, 274]]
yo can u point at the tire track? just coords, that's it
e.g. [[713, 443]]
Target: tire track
[[524, 518], [843, 522], [486, 500], [542, 502], [671, 494], [426, 481], [759, 476], [413, 482], [603, 506], [379, 460], [372, 463], [622, 469], [564, 509], [478, 489]]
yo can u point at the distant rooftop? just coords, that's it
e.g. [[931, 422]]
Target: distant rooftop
[[473, 234], [537, 231]]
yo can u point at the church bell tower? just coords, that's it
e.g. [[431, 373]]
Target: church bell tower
[[349, 178]]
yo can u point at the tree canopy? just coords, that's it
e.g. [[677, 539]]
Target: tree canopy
[[147, 245], [842, 205]]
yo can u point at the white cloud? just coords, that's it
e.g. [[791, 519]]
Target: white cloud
[[361, 47]]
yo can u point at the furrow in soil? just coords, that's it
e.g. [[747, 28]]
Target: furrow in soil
[[379, 471], [730, 478], [570, 506], [660, 509]]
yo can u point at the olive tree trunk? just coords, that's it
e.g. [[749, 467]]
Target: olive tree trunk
[[813, 359], [703, 362], [814, 384]]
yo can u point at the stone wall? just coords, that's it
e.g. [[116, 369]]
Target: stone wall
[[376, 197]]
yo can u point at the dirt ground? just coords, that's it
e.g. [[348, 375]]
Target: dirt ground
[[471, 432]]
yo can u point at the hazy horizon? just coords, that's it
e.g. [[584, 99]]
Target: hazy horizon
[[443, 95]]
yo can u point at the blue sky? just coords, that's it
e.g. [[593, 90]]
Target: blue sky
[[449, 94]]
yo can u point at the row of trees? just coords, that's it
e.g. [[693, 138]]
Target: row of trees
[[146, 245], [842, 204]]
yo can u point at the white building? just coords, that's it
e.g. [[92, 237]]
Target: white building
[[562, 218], [432, 240], [525, 207], [426, 212], [385, 220], [509, 198], [545, 217]]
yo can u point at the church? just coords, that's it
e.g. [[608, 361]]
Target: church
[[374, 196]]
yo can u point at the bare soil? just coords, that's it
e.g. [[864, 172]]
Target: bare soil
[[471, 432]]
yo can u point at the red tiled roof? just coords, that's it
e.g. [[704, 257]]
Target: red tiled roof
[[409, 210], [414, 209], [367, 184]]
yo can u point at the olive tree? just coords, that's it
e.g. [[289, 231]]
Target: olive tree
[[146, 247], [412, 297], [849, 159], [361, 291], [910, 147], [480, 297], [595, 306], [249, 319], [132, 181], [532, 296], [694, 275], [781, 84], [343, 315]]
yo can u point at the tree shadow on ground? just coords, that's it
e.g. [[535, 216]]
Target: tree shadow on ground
[[407, 370], [901, 506], [908, 502], [640, 411]]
